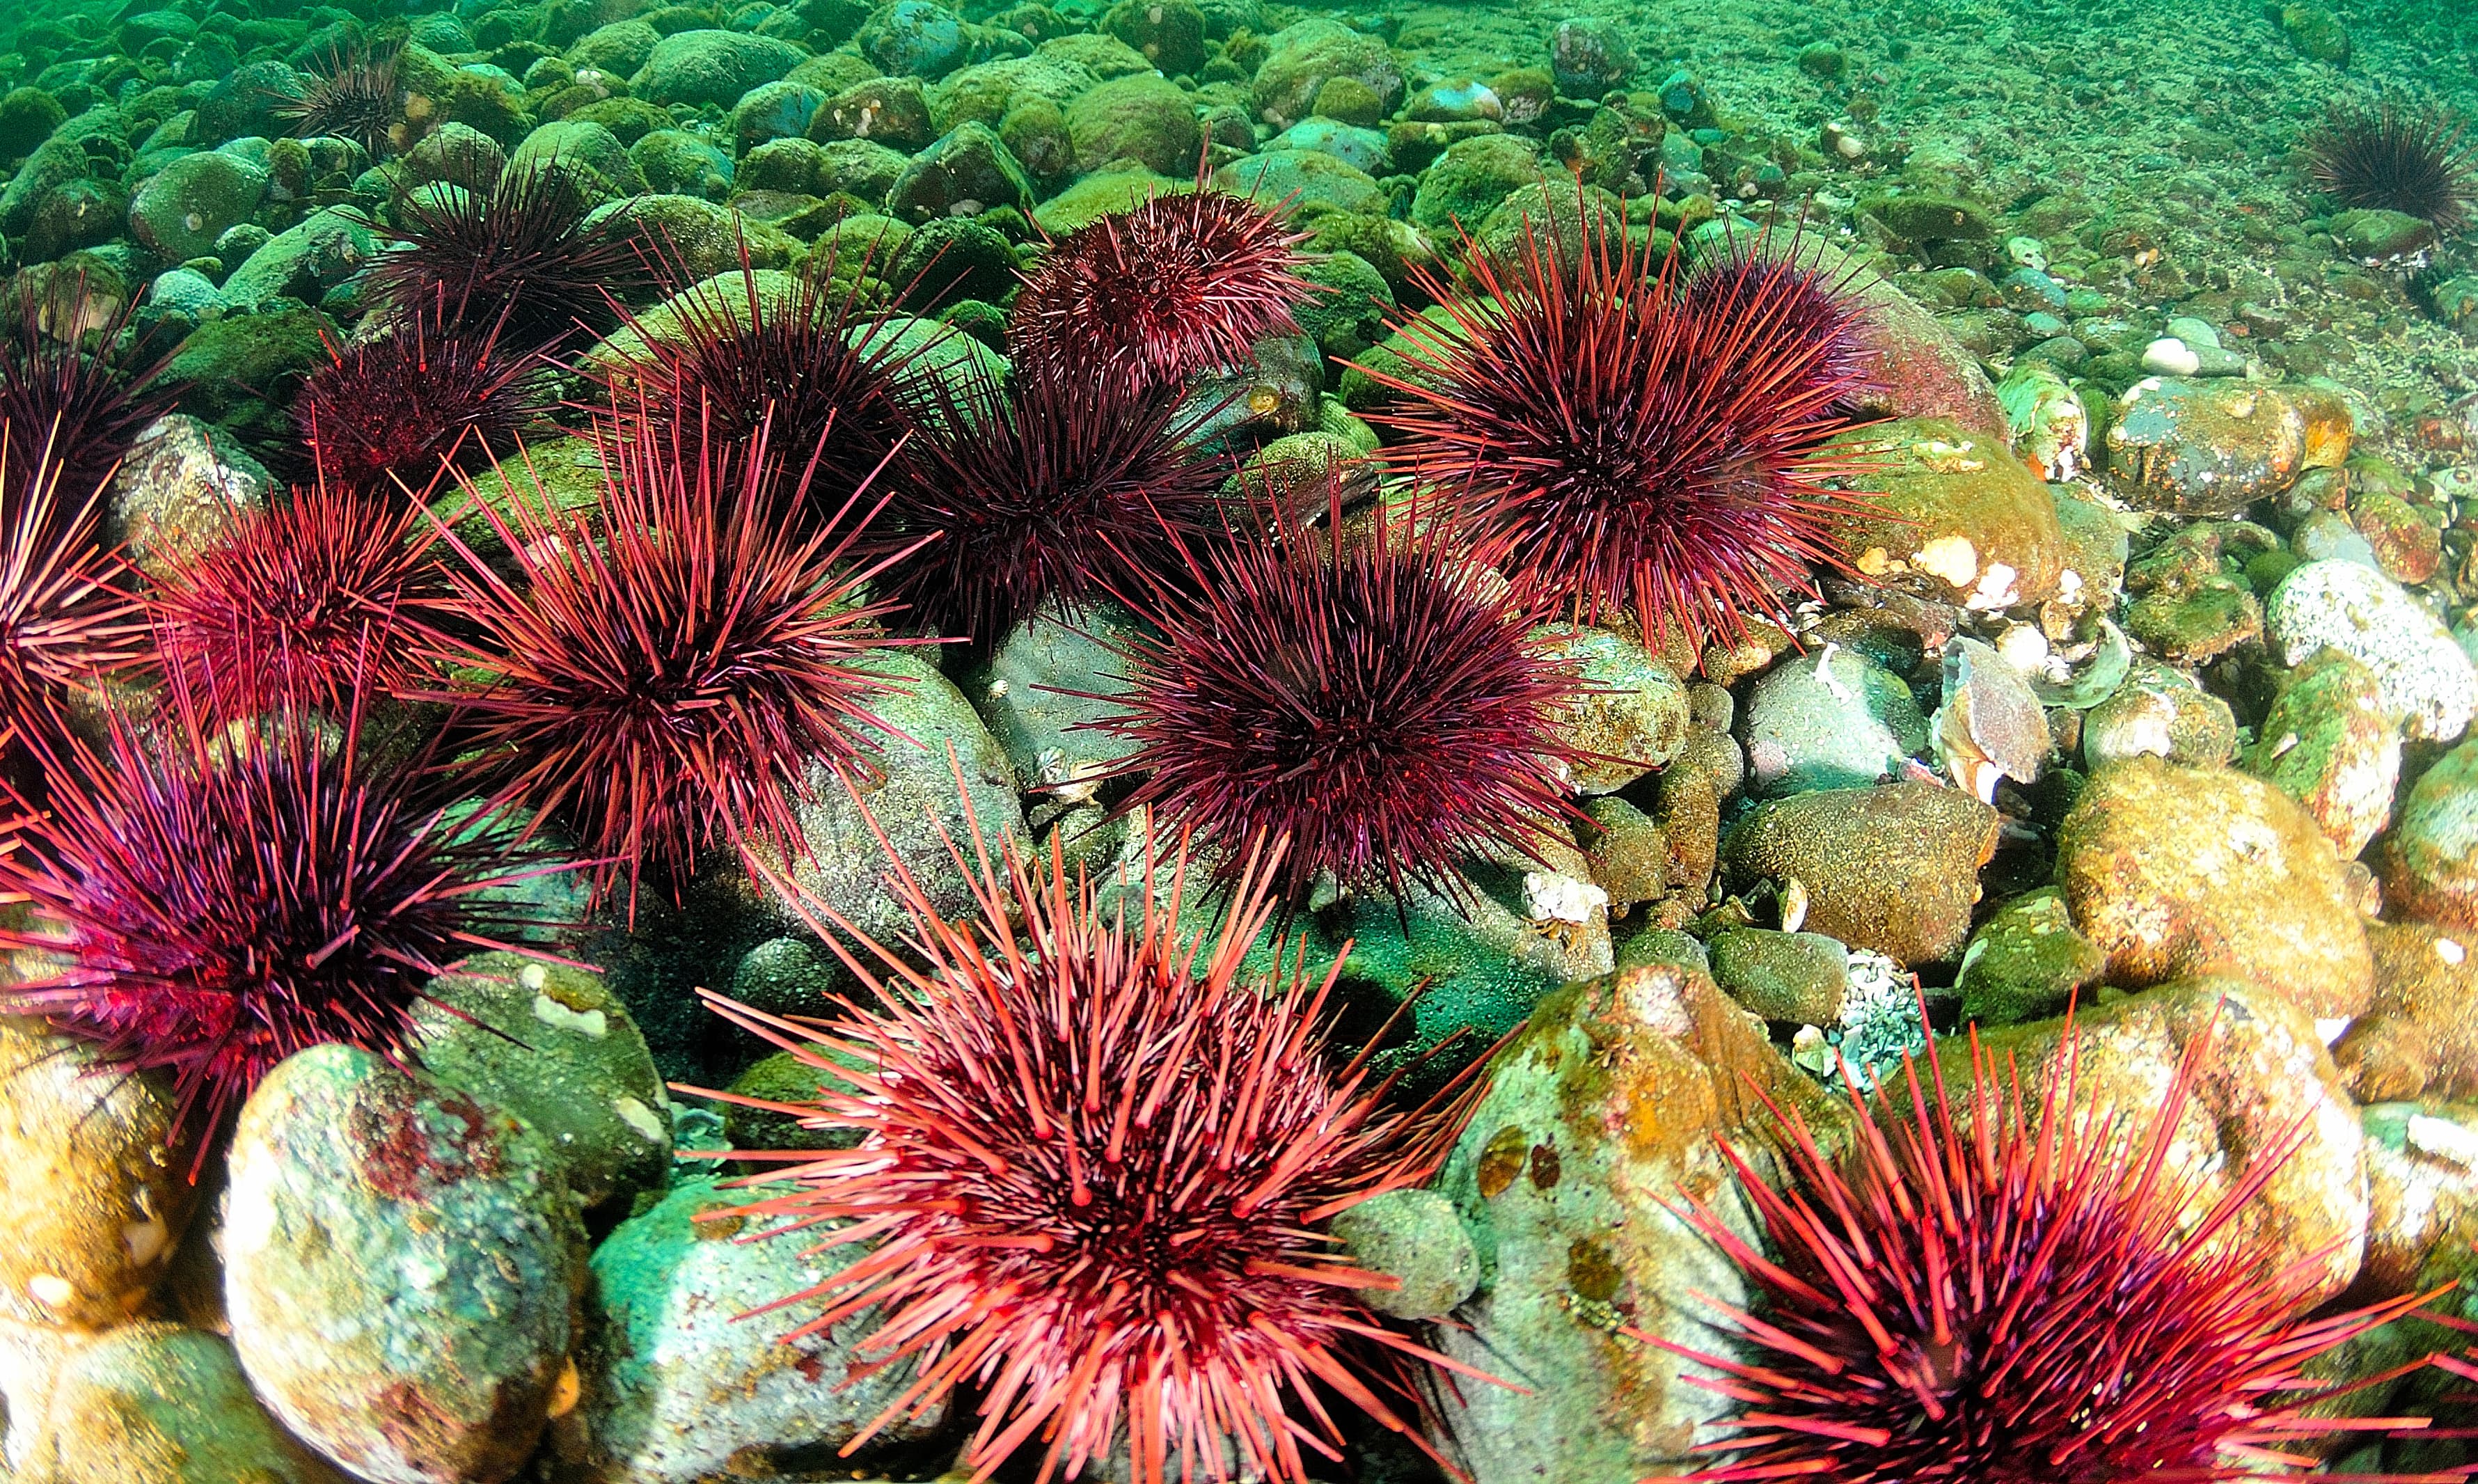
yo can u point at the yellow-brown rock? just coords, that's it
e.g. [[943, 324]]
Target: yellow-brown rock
[[2261, 1071], [2419, 1038], [2176, 871]]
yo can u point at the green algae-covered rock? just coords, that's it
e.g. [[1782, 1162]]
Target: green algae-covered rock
[[1551, 215], [1611, 1104], [302, 262], [400, 1266], [553, 1045], [963, 174], [858, 168], [700, 237], [1143, 117], [1295, 178], [1951, 513], [1096, 197], [773, 111], [1794, 978], [683, 1383], [1395, 357], [28, 116], [2177, 872], [986, 91], [1468, 180], [1036, 130], [1168, 33], [189, 203], [674, 162], [1926, 217], [2213, 445], [1350, 317], [158, 1403], [2027, 962], [2329, 743], [244, 354], [54, 164], [1894, 868], [712, 66], [2431, 858], [1418, 1238], [621, 49], [1307, 55], [572, 145]]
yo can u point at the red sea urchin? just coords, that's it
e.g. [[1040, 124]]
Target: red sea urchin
[[388, 415], [306, 603], [1053, 486], [660, 670], [1378, 701], [2004, 1306], [1182, 283], [1093, 1168], [1638, 443], [823, 376], [527, 258], [215, 900], [2417, 162], [61, 619], [64, 404]]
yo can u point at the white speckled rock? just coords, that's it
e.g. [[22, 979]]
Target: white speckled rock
[[91, 1202], [182, 483], [400, 1266], [2422, 675], [684, 1383], [553, 1045], [157, 1404]]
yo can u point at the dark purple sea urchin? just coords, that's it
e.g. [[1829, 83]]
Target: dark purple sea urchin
[[2419, 161], [1638, 439], [1378, 698]]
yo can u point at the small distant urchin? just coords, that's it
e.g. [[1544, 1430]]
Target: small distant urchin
[[1381, 700], [1091, 1160], [2416, 160], [357, 95], [1999, 1288], [1183, 283]]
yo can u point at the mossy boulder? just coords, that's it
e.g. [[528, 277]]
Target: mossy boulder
[[889, 110], [1468, 180], [963, 174], [1303, 57], [712, 66], [1953, 514], [1141, 117], [1300, 178], [189, 203], [1168, 33]]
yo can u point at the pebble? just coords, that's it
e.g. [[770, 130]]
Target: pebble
[[1632, 715], [2424, 677], [399, 1267], [2178, 871], [2161, 712], [1794, 978], [92, 1200], [2026, 961]]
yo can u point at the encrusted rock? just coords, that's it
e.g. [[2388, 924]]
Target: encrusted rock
[[1634, 718], [553, 1045], [400, 1266], [1892, 869], [1833, 719], [1600, 1115], [2212, 446], [2419, 1037], [1954, 514], [2027, 962], [91, 1199], [181, 485], [2179, 871], [2159, 711], [909, 789], [1418, 1238], [2431, 857], [2425, 679], [682, 1383], [2421, 1188], [1795, 978]]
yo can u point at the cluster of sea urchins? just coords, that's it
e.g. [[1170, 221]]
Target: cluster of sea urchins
[[1984, 1290]]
